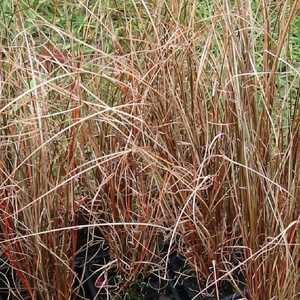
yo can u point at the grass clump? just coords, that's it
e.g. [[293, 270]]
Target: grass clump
[[151, 121]]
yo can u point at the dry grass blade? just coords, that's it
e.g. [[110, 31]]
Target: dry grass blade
[[153, 128]]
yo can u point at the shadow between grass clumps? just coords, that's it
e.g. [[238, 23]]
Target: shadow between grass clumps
[[93, 254], [10, 286], [182, 283]]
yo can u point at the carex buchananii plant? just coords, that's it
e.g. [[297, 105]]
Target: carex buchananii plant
[[153, 122]]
